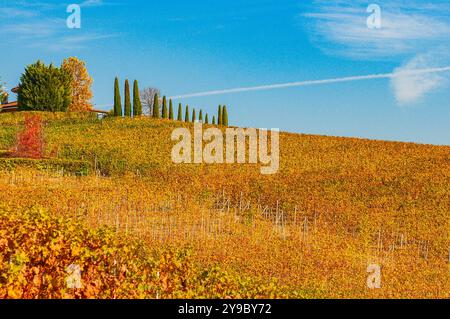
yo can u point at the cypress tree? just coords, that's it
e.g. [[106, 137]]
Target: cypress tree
[[206, 119], [117, 99], [214, 120], [156, 113], [165, 114], [194, 116], [219, 115], [224, 116], [180, 112], [170, 110], [186, 115], [200, 116], [137, 105], [127, 99]]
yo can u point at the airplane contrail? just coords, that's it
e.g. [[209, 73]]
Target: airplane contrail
[[315, 82]]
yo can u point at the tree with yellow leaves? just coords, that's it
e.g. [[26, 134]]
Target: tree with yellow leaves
[[81, 85]]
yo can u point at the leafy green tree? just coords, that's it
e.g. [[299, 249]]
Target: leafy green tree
[[137, 105], [117, 99], [45, 88], [180, 112], [127, 99], [224, 116], [156, 112], [200, 116], [194, 116], [219, 115], [214, 120], [206, 119], [170, 109], [186, 114], [165, 113]]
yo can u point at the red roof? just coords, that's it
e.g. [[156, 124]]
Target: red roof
[[12, 104], [9, 107]]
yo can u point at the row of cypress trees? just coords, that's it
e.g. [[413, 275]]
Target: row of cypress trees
[[222, 116], [129, 109], [166, 112]]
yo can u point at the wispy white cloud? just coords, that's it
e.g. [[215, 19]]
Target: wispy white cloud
[[93, 3], [32, 29], [33, 4], [42, 24], [13, 13], [340, 27], [410, 87], [409, 31], [52, 35], [77, 42]]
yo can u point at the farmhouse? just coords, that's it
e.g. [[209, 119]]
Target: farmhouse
[[10, 106], [14, 106]]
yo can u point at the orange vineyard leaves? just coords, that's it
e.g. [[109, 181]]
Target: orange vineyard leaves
[[37, 249], [139, 226]]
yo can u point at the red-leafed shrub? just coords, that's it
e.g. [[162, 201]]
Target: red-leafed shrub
[[30, 141]]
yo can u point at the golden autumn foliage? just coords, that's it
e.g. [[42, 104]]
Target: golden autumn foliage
[[81, 85], [38, 255], [336, 206]]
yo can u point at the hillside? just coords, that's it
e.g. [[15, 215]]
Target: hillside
[[335, 206]]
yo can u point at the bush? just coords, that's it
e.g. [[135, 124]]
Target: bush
[[45, 88], [30, 142]]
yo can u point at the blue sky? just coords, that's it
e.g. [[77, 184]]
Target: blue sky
[[185, 47]]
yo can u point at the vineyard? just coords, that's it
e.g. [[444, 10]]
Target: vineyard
[[108, 198]]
